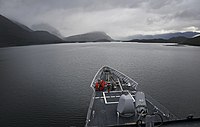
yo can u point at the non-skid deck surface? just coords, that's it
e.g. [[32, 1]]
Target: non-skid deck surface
[[104, 108], [106, 114]]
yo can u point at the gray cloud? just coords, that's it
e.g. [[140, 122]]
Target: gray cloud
[[116, 17]]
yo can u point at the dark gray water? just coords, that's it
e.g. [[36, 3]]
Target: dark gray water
[[48, 85]]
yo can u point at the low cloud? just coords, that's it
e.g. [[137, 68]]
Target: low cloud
[[119, 18]]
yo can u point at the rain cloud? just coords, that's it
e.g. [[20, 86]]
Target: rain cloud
[[118, 18]]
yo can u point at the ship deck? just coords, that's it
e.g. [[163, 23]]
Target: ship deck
[[103, 106], [105, 113]]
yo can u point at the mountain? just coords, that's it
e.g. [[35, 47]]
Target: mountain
[[46, 27], [22, 26], [178, 39], [92, 36], [164, 36], [13, 34], [149, 40], [192, 41]]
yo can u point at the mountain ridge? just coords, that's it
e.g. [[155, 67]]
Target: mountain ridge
[[46, 27], [90, 36], [192, 41], [16, 34], [187, 34], [180, 40]]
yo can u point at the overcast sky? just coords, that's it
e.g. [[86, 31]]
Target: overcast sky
[[118, 18]]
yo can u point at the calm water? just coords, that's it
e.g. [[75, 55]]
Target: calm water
[[48, 85]]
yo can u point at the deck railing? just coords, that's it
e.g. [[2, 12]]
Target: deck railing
[[93, 96], [162, 109]]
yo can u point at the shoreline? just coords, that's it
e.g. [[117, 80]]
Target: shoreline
[[167, 43]]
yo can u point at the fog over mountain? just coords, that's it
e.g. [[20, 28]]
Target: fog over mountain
[[117, 18], [46, 27], [16, 34]]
